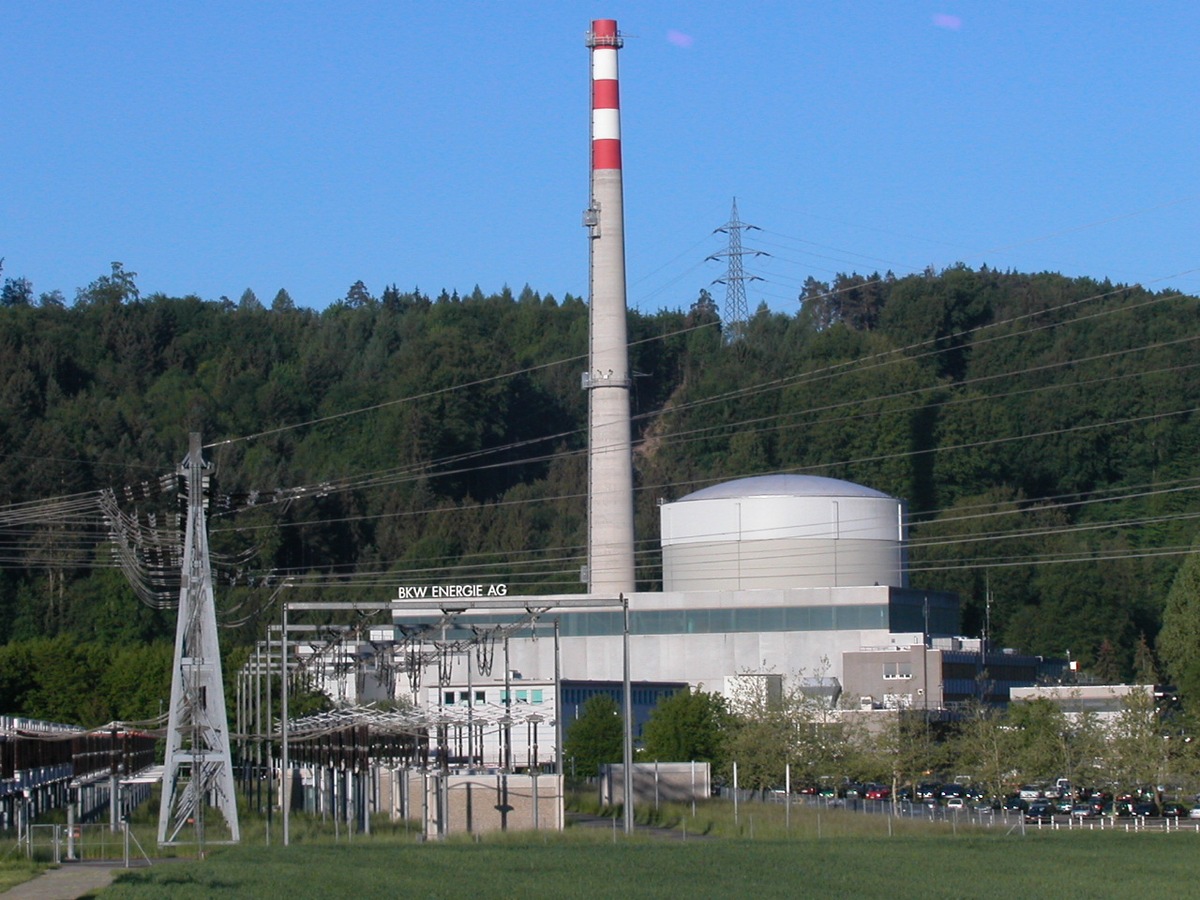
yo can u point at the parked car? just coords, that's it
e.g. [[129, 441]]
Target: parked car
[[1194, 812], [1014, 803], [958, 804], [1064, 805], [1030, 792], [878, 792], [928, 791], [852, 790], [1039, 811], [1084, 811], [1145, 810], [1174, 810]]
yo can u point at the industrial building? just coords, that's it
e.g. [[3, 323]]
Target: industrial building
[[942, 673], [783, 575], [790, 576]]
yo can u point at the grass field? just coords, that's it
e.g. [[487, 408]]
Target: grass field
[[761, 854], [763, 851], [13, 871], [1059, 865]]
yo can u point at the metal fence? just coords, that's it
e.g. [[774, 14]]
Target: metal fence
[[81, 843], [1009, 820]]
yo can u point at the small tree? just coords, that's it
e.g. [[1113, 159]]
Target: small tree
[[283, 302], [1108, 665], [688, 725], [1179, 638], [773, 730], [111, 290], [1144, 669], [16, 292], [1041, 740], [596, 737], [1137, 751], [903, 752]]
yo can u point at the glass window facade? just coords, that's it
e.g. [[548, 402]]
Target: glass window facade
[[904, 611]]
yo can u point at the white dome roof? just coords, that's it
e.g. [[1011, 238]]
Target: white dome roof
[[784, 486]]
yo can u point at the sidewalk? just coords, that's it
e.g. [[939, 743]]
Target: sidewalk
[[68, 882]]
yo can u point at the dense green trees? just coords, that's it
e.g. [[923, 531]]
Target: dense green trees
[[62, 680], [1039, 427], [994, 749], [597, 737], [688, 725], [1179, 640]]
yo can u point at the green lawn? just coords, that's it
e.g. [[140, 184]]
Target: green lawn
[[763, 852], [16, 869], [591, 864]]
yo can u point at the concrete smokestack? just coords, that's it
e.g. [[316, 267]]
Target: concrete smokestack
[[610, 452]]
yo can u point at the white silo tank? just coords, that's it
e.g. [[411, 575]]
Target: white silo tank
[[783, 531]]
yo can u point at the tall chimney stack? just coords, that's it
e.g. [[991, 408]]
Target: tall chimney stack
[[610, 451]]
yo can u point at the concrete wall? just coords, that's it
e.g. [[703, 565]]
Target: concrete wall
[[654, 783], [782, 563], [747, 542], [706, 658], [899, 678], [476, 804]]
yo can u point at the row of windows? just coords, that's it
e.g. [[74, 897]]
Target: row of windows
[[897, 670], [1022, 672], [724, 621], [901, 614], [463, 698], [911, 611], [640, 696]]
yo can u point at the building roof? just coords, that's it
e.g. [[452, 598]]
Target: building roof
[[784, 486]]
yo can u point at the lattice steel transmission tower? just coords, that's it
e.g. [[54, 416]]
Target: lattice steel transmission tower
[[198, 768], [736, 312]]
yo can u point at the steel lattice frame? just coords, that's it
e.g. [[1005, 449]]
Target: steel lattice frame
[[198, 763]]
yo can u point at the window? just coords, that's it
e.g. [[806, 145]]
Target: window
[[448, 698], [537, 697], [893, 670], [480, 698]]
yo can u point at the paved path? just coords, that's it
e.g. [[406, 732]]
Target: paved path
[[68, 882]]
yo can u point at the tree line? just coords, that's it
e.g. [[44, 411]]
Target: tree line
[[1143, 746], [1041, 429]]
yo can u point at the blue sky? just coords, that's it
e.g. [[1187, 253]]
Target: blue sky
[[216, 146]]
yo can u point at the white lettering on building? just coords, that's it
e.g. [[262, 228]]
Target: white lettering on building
[[450, 591]]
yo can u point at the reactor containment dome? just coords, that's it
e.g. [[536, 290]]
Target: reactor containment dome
[[783, 531]]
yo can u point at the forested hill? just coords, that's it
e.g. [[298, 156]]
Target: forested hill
[[1043, 431]]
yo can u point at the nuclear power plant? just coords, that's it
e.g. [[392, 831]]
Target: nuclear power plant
[[771, 580], [775, 575]]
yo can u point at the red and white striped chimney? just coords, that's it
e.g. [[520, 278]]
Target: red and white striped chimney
[[610, 452]]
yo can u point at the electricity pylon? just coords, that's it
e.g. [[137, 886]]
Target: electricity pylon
[[736, 312], [198, 768]]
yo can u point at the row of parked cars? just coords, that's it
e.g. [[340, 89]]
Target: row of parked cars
[[1097, 804], [1037, 803]]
